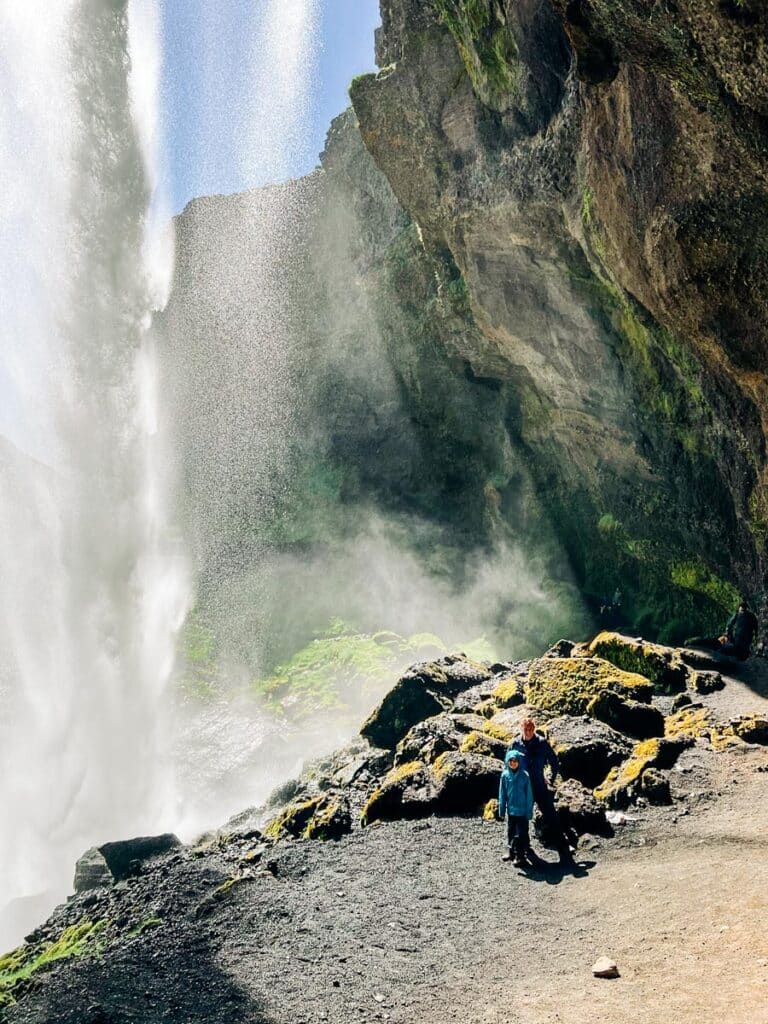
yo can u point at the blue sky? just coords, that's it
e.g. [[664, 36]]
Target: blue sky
[[207, 73]]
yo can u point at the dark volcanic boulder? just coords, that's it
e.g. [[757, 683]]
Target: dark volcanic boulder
[[427, 740], [654, 786], [425, 690], [465, 782], [321, 817], [586, 748], [628, 716], [113, 862], [578, 811], [457, 783]]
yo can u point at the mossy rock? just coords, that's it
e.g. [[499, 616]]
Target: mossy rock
[[623, 784], [457, 783], [411, 700], [752, 729], [424, 691], [655, 787], [406, 792], [491, 810], [691, 722], [482, 743], [565, 686], [427, 740], [578, 811], [508, 693], [331, 820], [662, 665], [321, 817], [631, 717], [586, 748], [465, 782]]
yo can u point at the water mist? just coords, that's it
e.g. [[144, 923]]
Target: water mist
[[93, 586]]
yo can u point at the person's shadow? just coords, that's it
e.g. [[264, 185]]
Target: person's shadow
[[553, 872]]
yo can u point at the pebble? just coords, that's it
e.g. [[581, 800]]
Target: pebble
[[605, 968]]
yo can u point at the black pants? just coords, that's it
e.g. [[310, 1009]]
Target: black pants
[[517, 835], [550, 830]]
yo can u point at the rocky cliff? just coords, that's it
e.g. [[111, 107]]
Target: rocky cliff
[[595, 176]]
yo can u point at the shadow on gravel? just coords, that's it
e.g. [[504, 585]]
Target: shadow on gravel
[[553, 872], [753, 672], [173, 979]]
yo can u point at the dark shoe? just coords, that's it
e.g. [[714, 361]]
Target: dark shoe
[[507, 855], [518, 862]]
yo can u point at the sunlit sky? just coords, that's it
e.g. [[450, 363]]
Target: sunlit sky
[[207, 73]]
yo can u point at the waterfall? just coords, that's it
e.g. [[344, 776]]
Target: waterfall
[[93, 582]]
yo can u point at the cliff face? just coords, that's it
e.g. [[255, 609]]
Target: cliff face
[[596, 175]]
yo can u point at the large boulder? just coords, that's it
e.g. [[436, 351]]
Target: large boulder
[[113, 862], [457, 783], [465, 782], [408, 791], [586, 748], [321, 817], [578, 811], [628, 716], [664, 666], [425, 690], [427, 740], [565, 686], [624, 783]]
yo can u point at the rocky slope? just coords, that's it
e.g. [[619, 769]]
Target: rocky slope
[[406, 898]]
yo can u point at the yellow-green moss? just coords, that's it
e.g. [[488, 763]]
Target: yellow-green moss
[[76, 941], [499, 732], [507, 694], [621, 782], [491, 810], [396, 776], [478, 743], [689, 722], [565, 686], [293, 820]]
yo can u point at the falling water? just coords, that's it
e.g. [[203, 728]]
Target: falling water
[[93, 585]]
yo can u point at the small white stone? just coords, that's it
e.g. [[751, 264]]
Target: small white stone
[[605, 968]]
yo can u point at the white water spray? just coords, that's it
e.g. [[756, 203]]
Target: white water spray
[[92, 585]]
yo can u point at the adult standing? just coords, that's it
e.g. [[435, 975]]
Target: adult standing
[[539, 756]]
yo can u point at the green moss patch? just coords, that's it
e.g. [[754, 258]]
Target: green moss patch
[[78, 940], [566, 686]]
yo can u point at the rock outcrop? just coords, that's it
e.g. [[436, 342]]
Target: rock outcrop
[[596, 175]]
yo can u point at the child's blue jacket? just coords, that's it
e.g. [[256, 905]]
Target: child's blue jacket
[[515, 792]]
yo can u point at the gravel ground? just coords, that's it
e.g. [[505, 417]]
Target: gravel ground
[[420, 922]]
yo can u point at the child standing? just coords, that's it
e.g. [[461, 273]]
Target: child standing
[[516, 800]]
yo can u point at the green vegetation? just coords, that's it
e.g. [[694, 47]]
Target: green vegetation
[[487, 47], [24, 962], [695, 576], [342, 664]]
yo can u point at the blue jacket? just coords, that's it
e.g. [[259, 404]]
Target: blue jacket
[[515, 792], [537, 754]]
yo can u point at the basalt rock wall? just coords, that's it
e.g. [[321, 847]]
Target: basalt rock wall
[[596, 173]]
